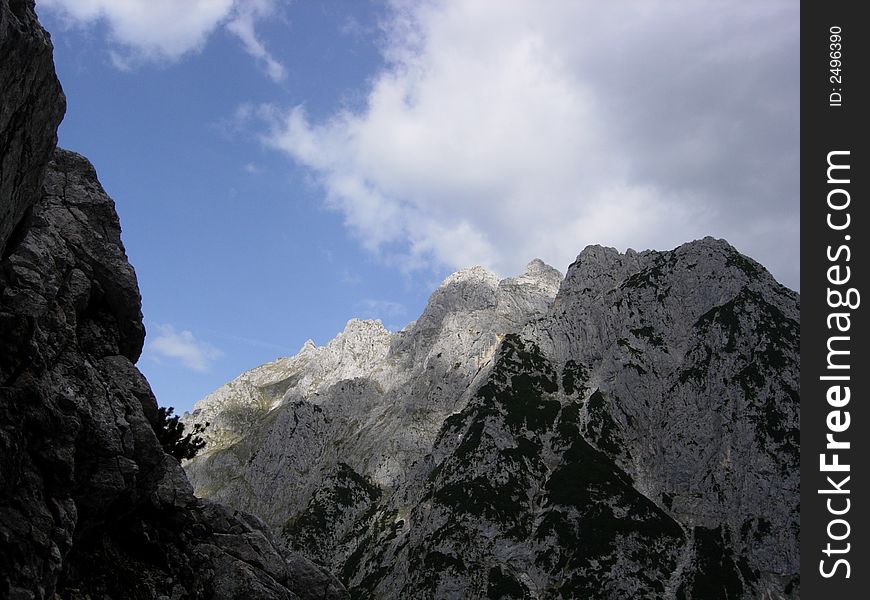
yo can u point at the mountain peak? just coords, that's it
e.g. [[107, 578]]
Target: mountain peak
[[430, 422], [597, 252], [356, 324], [474, 275], [535, 265], [539, 271]]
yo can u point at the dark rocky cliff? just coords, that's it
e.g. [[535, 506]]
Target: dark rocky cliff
[[90, 506], [31, 108]]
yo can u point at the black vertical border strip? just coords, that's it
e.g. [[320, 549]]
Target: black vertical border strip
[[826, 128]]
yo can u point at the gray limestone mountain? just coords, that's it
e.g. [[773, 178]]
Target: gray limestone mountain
[[627, 431], [369, 399]]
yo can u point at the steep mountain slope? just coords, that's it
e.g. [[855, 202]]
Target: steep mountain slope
[[90, 506], [633, 435], [372, 400]]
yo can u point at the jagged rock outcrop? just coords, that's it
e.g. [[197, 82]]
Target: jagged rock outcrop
[[698, 352], [630, 431], [90, 505], [369, 399], [31, 109]]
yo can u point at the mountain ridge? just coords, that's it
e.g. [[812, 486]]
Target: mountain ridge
[[676, 372]]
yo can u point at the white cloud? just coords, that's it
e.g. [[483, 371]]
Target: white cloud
[[182, 347], [498, 132], [154, 29], [242, 25], [165, 30]]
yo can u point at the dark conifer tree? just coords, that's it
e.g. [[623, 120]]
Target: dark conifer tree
[[171, 434]]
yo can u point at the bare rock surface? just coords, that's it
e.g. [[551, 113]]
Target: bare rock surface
[[32, 107], [627, 431], [371, 400], [90, 505]]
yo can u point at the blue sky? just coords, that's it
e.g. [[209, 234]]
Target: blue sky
[[280, 167]]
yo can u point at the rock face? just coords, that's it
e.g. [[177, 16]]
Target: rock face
[[90, 506], [32, 107], [90, 503], [368, 402], [629, 431]]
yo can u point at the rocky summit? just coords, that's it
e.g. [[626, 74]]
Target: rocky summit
[[90, 505], [629, 430]]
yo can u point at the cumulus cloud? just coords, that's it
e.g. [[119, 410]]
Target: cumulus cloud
[[166, 30], [181, 347], [497, 132]]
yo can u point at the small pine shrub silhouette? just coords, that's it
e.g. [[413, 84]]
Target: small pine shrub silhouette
[[171, 434]]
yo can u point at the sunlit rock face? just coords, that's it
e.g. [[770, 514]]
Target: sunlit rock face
[[629, 430], [369, 399]]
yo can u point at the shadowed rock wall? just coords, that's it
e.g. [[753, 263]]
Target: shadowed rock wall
[[90, 506]]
